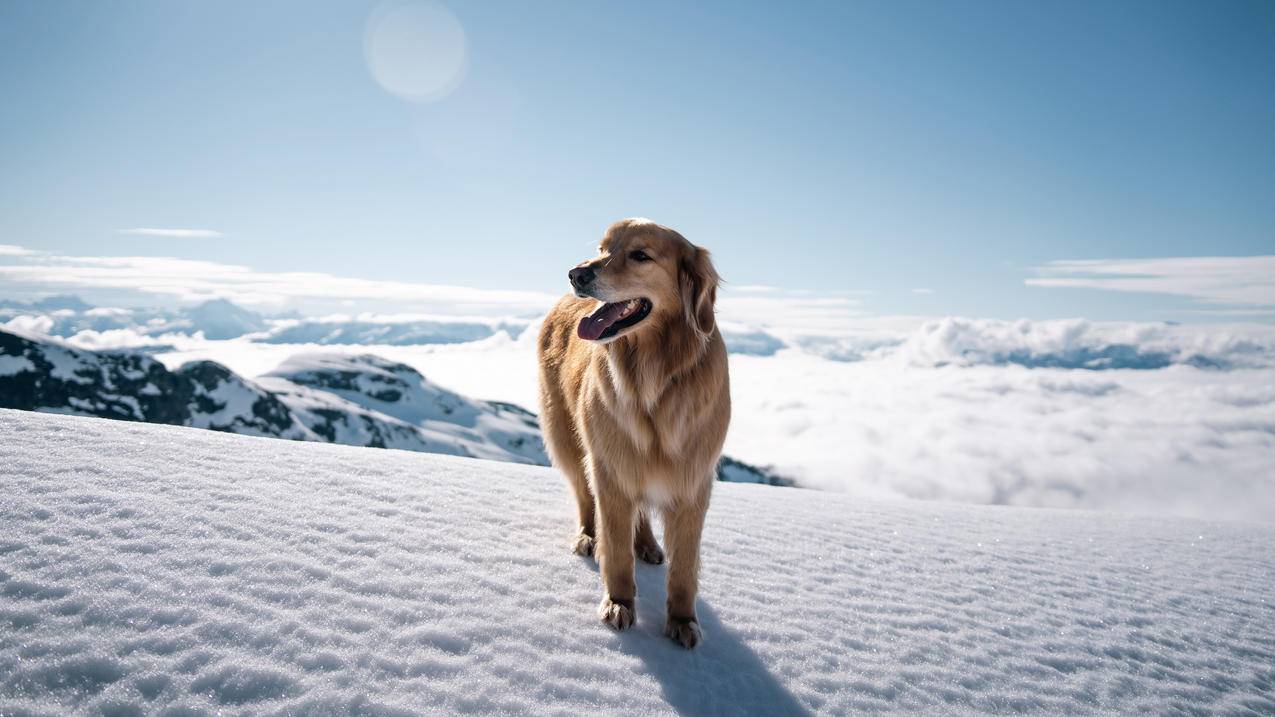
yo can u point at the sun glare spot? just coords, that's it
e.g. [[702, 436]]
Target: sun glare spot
[[415, 51]]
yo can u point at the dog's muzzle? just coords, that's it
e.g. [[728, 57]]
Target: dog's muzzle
[[580, 277]]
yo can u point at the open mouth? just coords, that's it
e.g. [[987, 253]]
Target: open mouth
[[610, 319]]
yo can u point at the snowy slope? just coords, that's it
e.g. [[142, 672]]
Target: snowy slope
[[148, 568], [346, 398], [223, 401], [354, 400]]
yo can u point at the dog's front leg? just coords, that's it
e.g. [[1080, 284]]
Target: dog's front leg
[[683, 525], [616, 514]]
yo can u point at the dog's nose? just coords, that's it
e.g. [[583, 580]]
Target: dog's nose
[[581, 276]]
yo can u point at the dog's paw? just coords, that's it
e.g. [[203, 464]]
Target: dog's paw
[[619, 614], [584, 545], [649, 553], [685, 631]]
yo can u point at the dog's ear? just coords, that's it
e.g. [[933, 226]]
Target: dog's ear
[[698, 282]]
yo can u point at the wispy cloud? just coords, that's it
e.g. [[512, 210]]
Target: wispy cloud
[[194, 280], [171, 233], [923, 292], [795, 311], [13, 250], [1233, 280], [1235, 312]]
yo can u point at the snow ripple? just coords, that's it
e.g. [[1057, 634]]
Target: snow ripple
[[152, 569]]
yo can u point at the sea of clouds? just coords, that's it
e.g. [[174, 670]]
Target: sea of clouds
[[1133, 417]]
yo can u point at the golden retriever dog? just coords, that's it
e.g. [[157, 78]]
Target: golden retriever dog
[[635, 400]]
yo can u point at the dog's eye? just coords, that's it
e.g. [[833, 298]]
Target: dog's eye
[[639, 255]]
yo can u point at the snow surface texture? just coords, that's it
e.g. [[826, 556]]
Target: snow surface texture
[[149, 568]]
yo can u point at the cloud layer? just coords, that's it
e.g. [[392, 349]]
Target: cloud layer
[[943, 413], [1236, 280], [1180, 440], [1076, 343]]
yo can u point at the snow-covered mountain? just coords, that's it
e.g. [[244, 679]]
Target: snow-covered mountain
[[223, 401], [219, 319], [387, 332], [150, 569], [369, 401], [353, 400], [47, 374], [57, 302], [67, 316], [358, 400]]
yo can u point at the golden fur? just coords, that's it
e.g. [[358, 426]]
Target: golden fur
[[636, 422]]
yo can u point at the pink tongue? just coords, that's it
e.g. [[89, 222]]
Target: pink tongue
[[592, 326]]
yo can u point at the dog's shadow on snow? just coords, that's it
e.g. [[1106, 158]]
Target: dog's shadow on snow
[[720, 676]]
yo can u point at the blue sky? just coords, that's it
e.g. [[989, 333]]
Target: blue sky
[[860, 150]]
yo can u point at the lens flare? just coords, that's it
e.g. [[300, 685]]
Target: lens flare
[[417, 51]]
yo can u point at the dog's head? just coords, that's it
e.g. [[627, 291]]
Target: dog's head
[[644, 275]]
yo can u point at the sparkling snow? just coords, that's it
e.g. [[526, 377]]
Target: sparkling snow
[[147, 568]]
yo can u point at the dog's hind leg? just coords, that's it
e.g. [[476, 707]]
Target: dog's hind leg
[[644, 543], [586, 540]]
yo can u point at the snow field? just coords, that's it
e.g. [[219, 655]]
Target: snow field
[[153, 569]]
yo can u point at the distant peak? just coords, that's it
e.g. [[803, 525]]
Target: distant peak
[[226, 304], [59, 302]]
